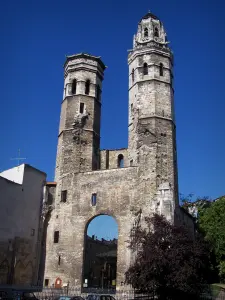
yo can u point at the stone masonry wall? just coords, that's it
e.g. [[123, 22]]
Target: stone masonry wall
[[117, 196]]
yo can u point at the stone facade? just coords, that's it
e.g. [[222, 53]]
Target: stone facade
[[127, 184]]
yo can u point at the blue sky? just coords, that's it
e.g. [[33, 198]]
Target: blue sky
[[36, 36]]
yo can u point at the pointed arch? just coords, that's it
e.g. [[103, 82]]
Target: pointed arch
[[28, 273], [74, 87], [4, 271], [145, 69], [87, 87], [146, 32], [18, 272]]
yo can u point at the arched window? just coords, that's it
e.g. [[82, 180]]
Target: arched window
[[74, 86], [145, 69], [120, 161], [87, 87], [146, 32], [156, 32], [161, 69], [132, 75]]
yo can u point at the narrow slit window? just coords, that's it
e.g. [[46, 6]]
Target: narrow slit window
[[98, 92], [156, 32], [132, 75], [146, 32], [93, 199], [107, 159], [87, 87], [63, 196], [161, 69], [74, 86], [145, 69], [131, 162], [56, 237], [59, 260], [32, 232], [120, 161], [81, 108]]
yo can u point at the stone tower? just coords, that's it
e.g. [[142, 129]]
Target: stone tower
[[128, 183], [152, 141], [79, 131]]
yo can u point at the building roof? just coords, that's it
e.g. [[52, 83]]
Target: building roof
[[16, 174], [51, 183], [149, 15], [110, 253], [87, 56]]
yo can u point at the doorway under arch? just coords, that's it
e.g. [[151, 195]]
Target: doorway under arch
[[100, 253]]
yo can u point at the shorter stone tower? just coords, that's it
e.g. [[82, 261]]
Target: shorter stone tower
[[79, 131]]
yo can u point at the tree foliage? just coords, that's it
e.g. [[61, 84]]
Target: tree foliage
[[212, 224], [167, 259]]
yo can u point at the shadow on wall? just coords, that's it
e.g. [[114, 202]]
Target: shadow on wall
[[16, 262]]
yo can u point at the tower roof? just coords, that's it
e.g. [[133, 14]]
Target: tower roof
[[87, 56], [149, 15]]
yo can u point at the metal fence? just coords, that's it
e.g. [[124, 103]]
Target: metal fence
[[54, 293]]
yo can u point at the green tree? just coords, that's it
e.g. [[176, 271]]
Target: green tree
[[211, 222], [168, 261]]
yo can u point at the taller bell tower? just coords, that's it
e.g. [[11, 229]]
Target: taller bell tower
[[152, 142]]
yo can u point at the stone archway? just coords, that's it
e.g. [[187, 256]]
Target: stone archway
[[100, 252], [4, 272]]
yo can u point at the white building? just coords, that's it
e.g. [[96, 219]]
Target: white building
[[21, 198]]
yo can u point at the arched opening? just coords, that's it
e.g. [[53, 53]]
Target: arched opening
[[156, 32], [145, 69], [87, 87], [58, 283], [100, 253], [120, 161], [146, 32], [161, 69], [74, 87]]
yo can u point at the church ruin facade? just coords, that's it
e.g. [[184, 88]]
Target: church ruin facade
[[127, 184]]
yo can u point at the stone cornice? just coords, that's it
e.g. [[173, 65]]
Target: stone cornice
[[151, 79], [84, 129], [82, 68], [84, 95], [166, 52], [85, 56], [156, 117]]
